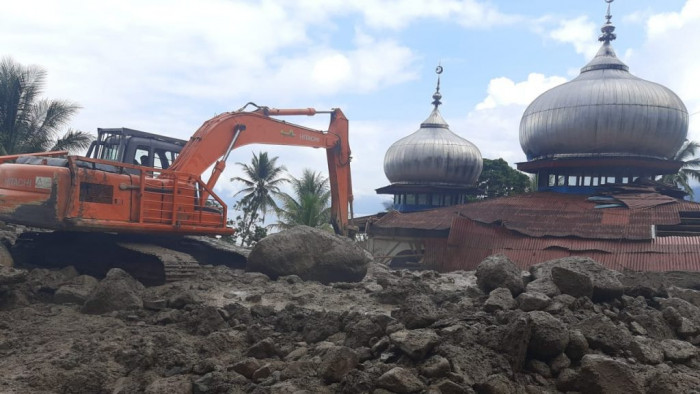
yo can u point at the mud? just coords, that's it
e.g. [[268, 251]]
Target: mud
[[229, 331]]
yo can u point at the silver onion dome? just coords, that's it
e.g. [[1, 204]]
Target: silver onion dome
[[605, 111], [433, 155]]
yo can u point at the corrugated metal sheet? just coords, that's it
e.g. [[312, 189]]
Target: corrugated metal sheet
[[537, 227], [644, 200], [470, 242]]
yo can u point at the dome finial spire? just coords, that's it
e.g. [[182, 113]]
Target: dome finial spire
[[608, 28], [437, 96]]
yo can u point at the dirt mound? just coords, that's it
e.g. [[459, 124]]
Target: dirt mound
[[231, 331]]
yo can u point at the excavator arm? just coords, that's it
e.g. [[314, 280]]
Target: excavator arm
[[216, 138]]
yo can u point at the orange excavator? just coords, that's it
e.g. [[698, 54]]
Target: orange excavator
[[106, 194]]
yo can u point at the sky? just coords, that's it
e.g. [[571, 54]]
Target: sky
[[166, 66]]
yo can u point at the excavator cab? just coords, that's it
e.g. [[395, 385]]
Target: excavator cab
[[135, 147]]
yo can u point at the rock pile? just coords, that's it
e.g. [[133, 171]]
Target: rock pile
[[567, 325]]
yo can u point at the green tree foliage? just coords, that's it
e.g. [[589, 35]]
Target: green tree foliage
[[690, 171], [262, 179], [310, 204], [498, 179], [29, 123]]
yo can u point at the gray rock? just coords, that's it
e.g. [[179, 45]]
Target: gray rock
[[497, 384], [416, 344], [435, 367], [178, 384], [265, 348], [515, 339], [559, 363], [673, 382], [400, 380], [182, 299], [117, 291], [10, 275], [418, 311], [498, 271], [500, 299], [604, 375], [539, 367], [549, 335], [692, 296], [578, 345], [568, 380], [337, 362], [76, 291], [646, 284], [606, 283], [446, 386], [543, 285], [646, 350], [533, 301], [247, 367], [572, 282], [602, 334], [685, 308], [678, 351], [311, 254]]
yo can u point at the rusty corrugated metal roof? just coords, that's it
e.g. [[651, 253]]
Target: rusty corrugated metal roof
[[470, 242], [536, 227], [544, 214]]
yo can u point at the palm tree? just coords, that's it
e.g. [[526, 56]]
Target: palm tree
[[28, 123], [310, 205], [690, 169], [262, 181]]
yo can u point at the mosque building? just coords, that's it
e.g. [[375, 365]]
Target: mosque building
[[433, 167], [595, 145]]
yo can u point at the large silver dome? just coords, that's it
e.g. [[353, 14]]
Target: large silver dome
[[433, 155], [604, 111]]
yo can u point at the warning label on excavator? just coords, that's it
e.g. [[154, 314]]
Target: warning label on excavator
[[42, 182]]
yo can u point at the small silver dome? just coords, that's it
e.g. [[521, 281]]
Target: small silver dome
[[433, 155], [604, 111]]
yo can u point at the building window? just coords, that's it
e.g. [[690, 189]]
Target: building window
[[422, 199], [552, 180], [436, 200], [410, 199]]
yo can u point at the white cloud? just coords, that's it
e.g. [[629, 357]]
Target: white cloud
[[504, 91], [493, 125], [665, 57], [659, 24], [580, 32]]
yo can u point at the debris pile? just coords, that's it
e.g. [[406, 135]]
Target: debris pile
[[568, 325]]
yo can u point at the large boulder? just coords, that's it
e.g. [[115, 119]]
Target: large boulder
[[76, 291], [605, 375], [549, 335], [10, 275], [606, 283], [498, 271], [603, 334], [400, 380], [117, 291], [416, 344], [311, 254]]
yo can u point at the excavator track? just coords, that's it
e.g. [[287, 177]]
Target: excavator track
[[153, 260]]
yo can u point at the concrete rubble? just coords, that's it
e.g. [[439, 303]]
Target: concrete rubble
[[579, 329]]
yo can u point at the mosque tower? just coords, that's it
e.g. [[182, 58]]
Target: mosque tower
[[433, 167], [605, 126]]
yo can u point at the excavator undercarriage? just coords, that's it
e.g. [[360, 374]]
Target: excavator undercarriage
[[151, 259]]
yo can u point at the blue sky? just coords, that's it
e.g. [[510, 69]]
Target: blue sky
[[167, 66]]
